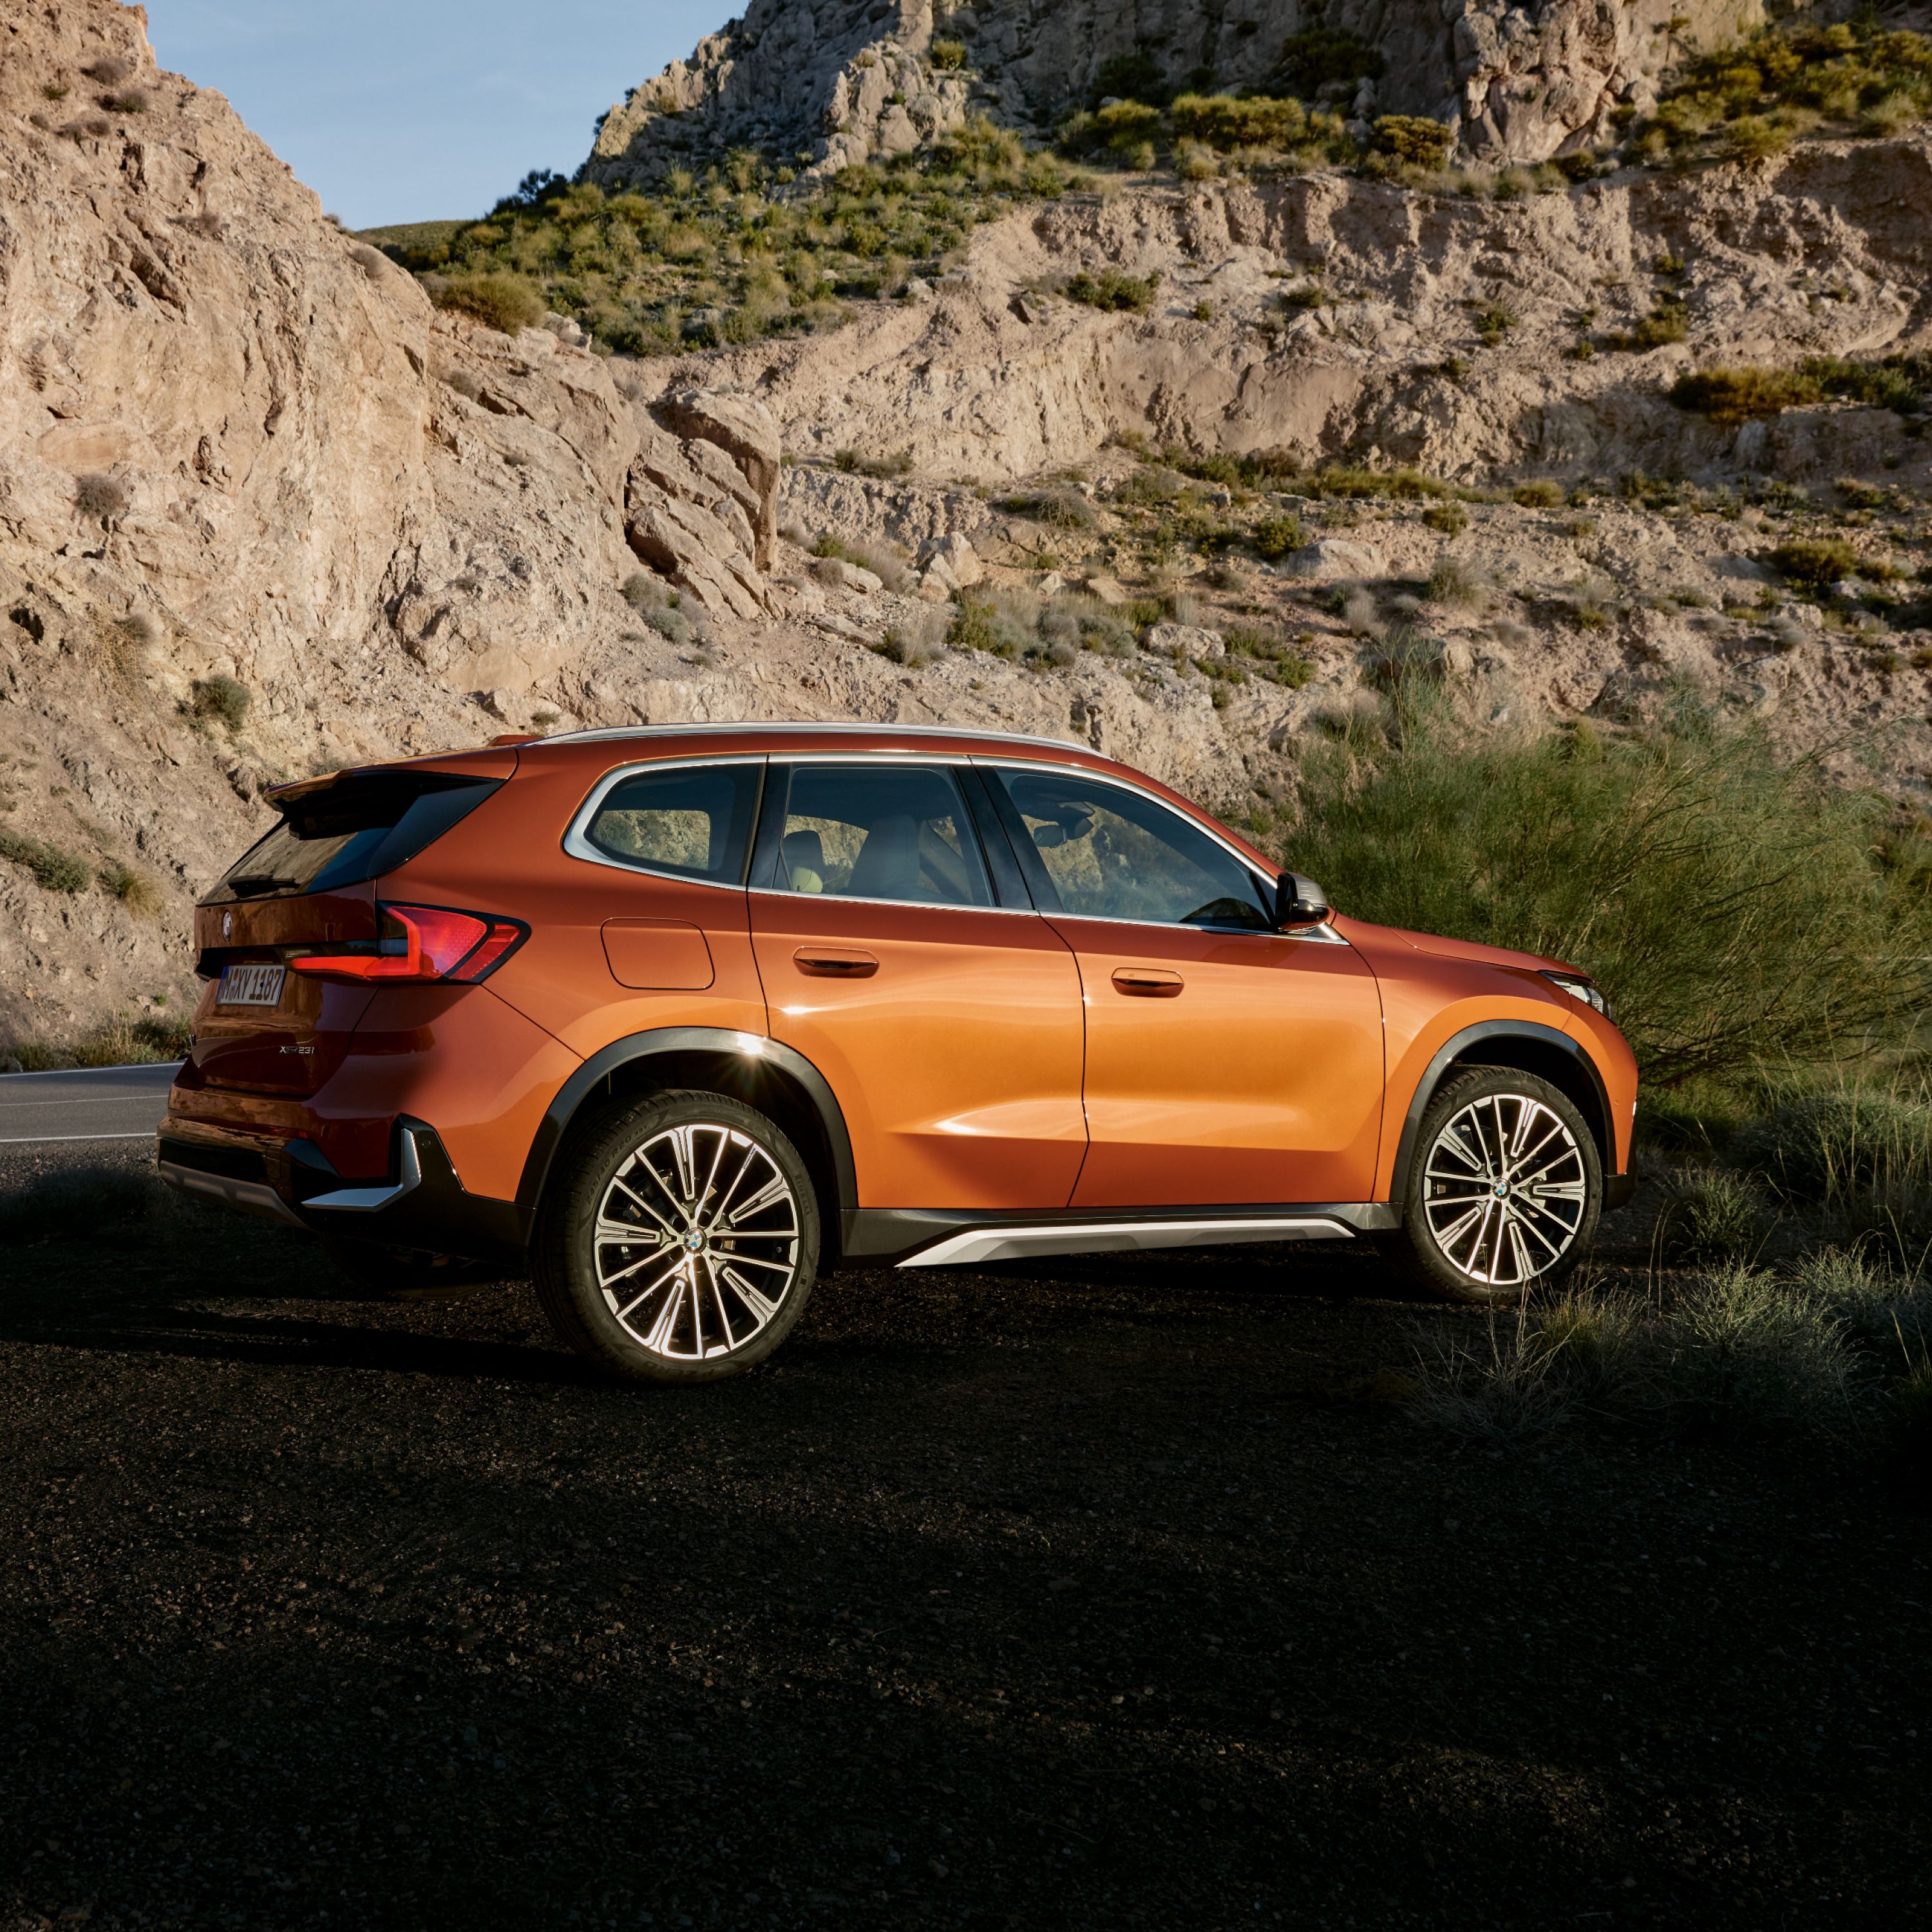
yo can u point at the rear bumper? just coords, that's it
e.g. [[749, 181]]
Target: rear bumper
[[419, 1203]]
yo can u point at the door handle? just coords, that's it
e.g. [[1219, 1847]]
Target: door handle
[[835, 962], [1150, 982]]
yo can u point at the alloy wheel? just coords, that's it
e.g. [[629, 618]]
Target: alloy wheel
[[1505, 1189], [697, 1242]]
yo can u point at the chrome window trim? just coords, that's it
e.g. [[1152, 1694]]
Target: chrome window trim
[[577, 846], [1323, 934], [904, 905], [939, 760]]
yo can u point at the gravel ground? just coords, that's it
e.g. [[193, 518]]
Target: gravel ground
[[1082, 1595]]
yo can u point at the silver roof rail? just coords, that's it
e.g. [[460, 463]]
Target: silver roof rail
[[605, 732]]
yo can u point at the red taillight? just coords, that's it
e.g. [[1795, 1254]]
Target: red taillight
[[421, 943]]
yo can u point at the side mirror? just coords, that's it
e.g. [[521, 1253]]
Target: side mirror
[[1299, 901]]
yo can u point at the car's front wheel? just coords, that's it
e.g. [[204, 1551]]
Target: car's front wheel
[[680, 1239], [1504, 1189]]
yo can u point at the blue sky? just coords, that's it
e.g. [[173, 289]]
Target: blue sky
[[408, 110]]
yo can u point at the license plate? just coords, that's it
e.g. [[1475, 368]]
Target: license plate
[[253, 984]]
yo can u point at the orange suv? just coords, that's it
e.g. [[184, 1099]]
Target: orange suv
[[676, 1019]]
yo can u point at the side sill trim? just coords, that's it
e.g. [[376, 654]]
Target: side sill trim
[[251, 1197], [1012, 1244], [370, 1200]]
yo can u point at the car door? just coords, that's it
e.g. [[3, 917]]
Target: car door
[[1226, 1062], [949, 1024]]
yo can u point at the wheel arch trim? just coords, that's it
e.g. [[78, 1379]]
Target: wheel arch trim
[[749, 1050], [1453, 1050]]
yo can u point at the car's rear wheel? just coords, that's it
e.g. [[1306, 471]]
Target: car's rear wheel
[[680, 1240], [1504, 1189]]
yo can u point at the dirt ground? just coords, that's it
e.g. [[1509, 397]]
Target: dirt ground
[[1102, 1594]]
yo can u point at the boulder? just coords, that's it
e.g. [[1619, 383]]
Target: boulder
[[1334, 560], [747, 432], [957, 553], [844, 576], [1109, 591]]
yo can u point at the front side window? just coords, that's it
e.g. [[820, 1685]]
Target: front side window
[[881, 831], [1111, 854], [693, 821]]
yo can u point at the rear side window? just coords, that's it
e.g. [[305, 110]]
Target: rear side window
[[871, 831], [693, 821], [363, 825]]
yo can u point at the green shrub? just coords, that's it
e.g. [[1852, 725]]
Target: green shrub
[[55, 868], [1111, 290], [1712, 1215], [899, 463], [1729, 396], [135, 890], [1310, 60], [1450, 518], [949, 56], [223, 697], [1860, 1156], [1541, 495], [104, 498], [1405, 485], [1812, 562], [1135, 77], [116, 1205], [1667, 323], [1413, 139], [1274, 657], [1276, 536], [1903, 383], [120, 1041], [1747, 1351], [1749, 101], [1663, 862], [1060, 509], [1493, 322], [499, 299], [1224, 122], [1119, 131], [1453, 582]]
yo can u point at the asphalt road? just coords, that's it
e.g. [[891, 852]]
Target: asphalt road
[[1102, 1595], [88, 1103]]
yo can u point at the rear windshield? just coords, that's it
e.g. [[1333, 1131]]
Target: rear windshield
[[351, 832]]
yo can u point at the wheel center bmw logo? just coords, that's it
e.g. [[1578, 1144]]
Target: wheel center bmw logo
[[1502, 1189], [694, 1240]]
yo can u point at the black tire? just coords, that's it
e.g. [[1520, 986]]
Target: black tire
[[1465, 1235], [623, 1169], [408, 1274]]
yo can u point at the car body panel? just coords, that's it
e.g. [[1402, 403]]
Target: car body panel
[[957, 1059], [1259, 1078], [1429, 997], [508, 857]]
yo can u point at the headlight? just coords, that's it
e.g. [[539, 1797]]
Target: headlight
[[1580, 989]]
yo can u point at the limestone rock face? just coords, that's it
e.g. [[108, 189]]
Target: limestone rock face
[[236, 443], [822, 84], [748, 432]]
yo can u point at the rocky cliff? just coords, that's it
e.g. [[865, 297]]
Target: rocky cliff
[[261, 506], [825, 83], [264, 509]]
